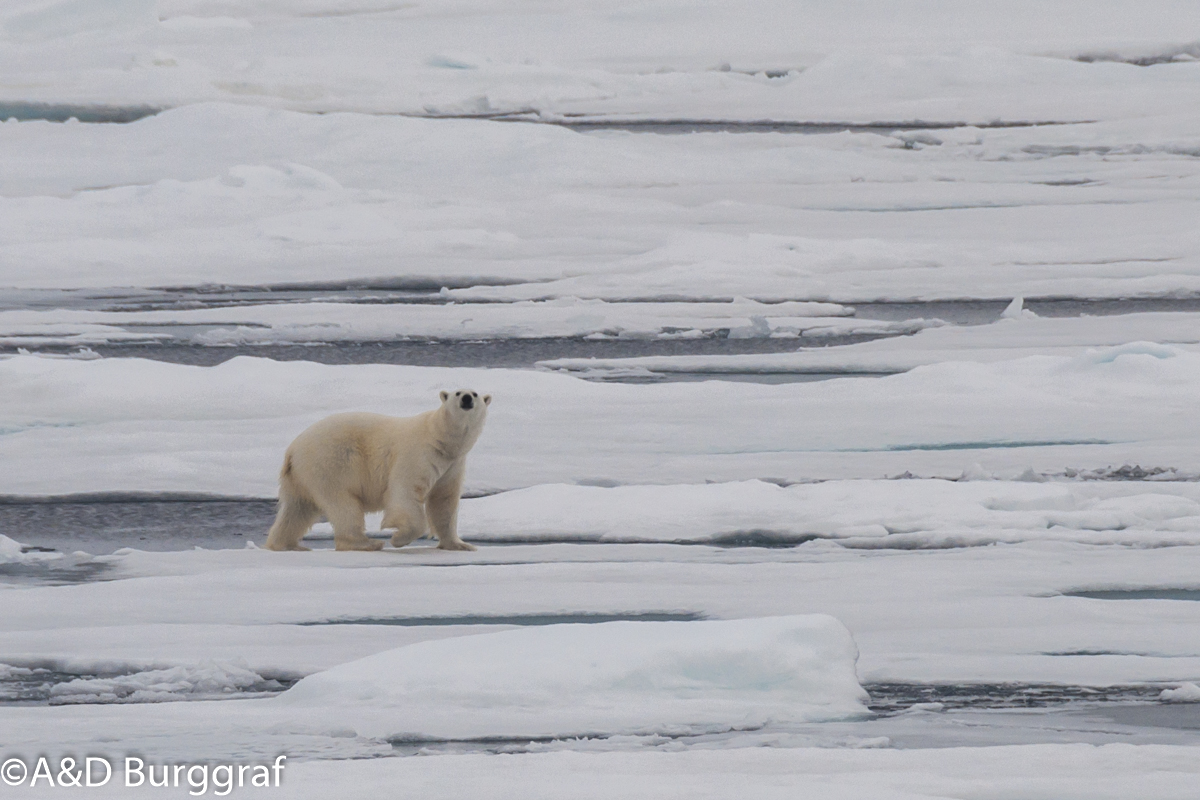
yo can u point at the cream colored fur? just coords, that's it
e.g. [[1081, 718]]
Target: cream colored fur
[[411, 468]]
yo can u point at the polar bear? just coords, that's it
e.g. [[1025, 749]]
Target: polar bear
[[411, 468]]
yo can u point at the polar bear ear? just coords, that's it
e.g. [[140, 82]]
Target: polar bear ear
[[443, 394], [487, 399]]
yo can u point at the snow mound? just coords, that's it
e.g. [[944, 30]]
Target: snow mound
[[562, 680], [204, 681], [1184, 693]]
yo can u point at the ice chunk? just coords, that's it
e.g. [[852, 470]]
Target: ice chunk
[[193, 681], [975, 472], [608, 677], [1016, 310], [10, 550], [757, 329], [1030, 475], [1184, 693], [8, 672]]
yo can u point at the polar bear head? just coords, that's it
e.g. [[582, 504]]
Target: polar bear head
[[465, 402]]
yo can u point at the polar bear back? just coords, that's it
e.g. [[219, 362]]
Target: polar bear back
[[356, 453]]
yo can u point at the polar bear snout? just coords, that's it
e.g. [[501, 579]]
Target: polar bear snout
[[466, 400]]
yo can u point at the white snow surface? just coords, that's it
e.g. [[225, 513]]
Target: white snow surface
[[1003, 340], [966, 615], [857, 61], [217, 193], [960, 615], [1035, 772], [316, 323], [935, 513], [640, 677], [136, 425], [1039, 772]]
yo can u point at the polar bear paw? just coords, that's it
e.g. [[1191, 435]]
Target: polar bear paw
[[456, 544], [365, 544]]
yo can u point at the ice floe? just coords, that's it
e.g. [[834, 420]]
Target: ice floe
[[256, 197], [610, 677], [905, 61], [864, 513], [1008, 338], [136, 425], [316, 322], [203, 681], [976, 615], [1009, 613]]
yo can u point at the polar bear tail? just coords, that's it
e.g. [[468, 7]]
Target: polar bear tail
[[295, 516]]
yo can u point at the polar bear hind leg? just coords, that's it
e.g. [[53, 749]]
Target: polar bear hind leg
[[295, 516], [345, 514]]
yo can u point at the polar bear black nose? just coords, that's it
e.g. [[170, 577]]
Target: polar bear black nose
[[467, 401]]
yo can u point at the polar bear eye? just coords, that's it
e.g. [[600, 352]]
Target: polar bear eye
[[457, 394]]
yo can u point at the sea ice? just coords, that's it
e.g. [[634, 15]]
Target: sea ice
[[1159, 332], [137, 425], [611, 677], [252, 196], [1184, 693], [765, 60], [322, 322], [289, 152], [9, 549], [195, 681], [865, 513]]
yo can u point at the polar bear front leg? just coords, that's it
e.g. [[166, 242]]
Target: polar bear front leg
[[404, 514], [442, 509]]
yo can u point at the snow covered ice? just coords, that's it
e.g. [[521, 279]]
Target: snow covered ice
[[74, 425], [845, 359], [570, 679]]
